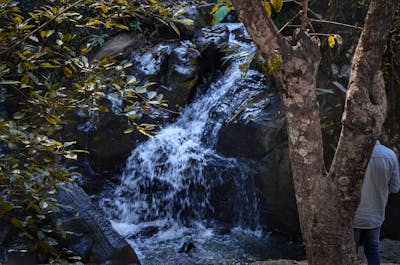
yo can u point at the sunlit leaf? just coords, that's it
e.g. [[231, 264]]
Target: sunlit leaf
[[48, 65], [131, 80], [175, 28], [185, 21], [43, 205], [277, 5], [70, 155], [267, 8], [121, 26], [9, 82], [67, 72], [151, 94], [331, 41], [66, 144], [103, 108], [53, 119], [130, 130], [17, 20]]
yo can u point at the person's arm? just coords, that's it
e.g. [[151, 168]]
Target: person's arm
[[394, 184]]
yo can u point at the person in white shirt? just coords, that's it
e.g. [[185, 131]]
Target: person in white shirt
[[381, 178]]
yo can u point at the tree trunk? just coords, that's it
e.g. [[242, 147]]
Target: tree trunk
[[326, 202]]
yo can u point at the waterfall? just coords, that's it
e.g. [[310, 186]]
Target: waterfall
[[168, 188]]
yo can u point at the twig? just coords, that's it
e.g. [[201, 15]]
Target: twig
[[308, 9], [41, 26], [335, 23], [290, 21], [320, 34]]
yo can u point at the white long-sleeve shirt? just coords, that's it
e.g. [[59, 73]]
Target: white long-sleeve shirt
[[381, 178]]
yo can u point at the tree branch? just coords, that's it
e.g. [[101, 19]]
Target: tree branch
[[261, 27], [365, 107]]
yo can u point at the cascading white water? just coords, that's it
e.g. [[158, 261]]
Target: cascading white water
[[168, 186]]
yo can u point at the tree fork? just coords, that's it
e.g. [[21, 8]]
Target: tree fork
[[326, 202]]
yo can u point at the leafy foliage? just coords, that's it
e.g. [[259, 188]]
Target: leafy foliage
[[45, 74]]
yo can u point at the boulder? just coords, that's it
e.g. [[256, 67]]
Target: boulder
[[182, 76], [211, 38], [201, 17], [174, 67], [93, 237], [120, 44], [258, 133], [150, 64], [102, 135], [208, 41]]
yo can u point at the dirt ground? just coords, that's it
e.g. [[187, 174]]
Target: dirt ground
[[390, 255]]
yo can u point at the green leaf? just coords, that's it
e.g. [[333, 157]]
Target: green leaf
[[43, 205], [18, 115], [175, 28], [131, 80], [140, 90], [151, 94], [130, 130], [220, 14]]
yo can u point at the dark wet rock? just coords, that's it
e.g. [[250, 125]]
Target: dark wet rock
[[122, 43], [183, 75], [174, 67], [93, 237], [150, 64], [5, 230], [102, 135], [201, 17], [241, 35], [19, 257], [253, 131], [186, 247], [149, 231], [274, 181], [258, 133], [209, 39]]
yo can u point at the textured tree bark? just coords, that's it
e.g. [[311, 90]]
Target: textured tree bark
[[326, 202]]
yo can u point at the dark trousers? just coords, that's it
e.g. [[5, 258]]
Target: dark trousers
[[369, 238]]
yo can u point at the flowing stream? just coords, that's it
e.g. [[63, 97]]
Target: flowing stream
[[173, 184]]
